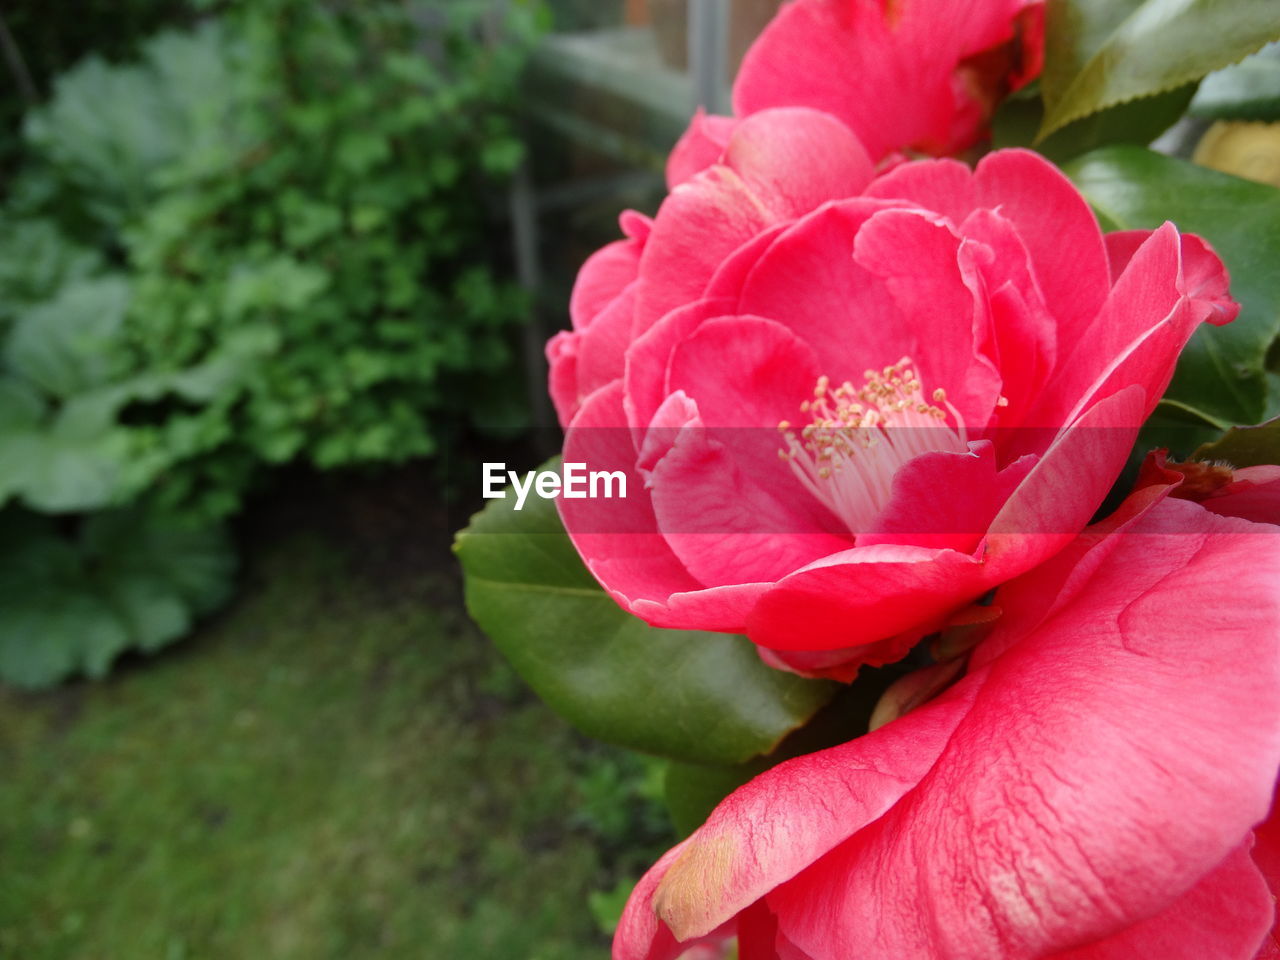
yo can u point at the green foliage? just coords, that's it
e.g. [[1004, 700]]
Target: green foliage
[[708, 698], [1246, 446], [268, 239], [50, 36], [1220, 376], [294, 195], [127, 580], [1136, 122], [1250, 90], [1101, 53]]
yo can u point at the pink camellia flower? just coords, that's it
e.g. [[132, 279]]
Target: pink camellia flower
[[849, 406], [1087, 791], [924, 75]]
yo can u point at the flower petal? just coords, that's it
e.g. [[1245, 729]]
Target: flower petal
[[778, 165]]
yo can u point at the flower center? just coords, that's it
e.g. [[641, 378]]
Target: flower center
[[858, 438]]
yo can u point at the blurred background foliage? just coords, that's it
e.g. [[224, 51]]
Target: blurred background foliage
[[252, 253], [262, 236]]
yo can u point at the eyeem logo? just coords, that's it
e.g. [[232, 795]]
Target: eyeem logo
[[574, 482]]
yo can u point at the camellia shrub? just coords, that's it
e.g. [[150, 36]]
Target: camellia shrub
[[933, 682], [268, 240]]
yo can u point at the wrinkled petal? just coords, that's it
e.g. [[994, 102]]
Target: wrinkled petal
[[1223, 916], [783, 821], [1111, 799]]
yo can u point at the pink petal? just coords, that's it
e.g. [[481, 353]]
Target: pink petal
[[777, 166], [701, 146], [1137, 336], [1050, 216], [886, 70], [1023, 342], [647, 357], [1223, 916], [866, 598], [776, 826], [918, 257], [1112, 798], [947, 499], [618, 539], [608, 272], [1254, 495], [1266, 854], [807, 279], [729, 508], [601, 346], [562, 378], [1083, 794]]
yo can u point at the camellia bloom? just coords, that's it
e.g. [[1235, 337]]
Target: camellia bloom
[[851, 405], [1086, 792], [924, 75]]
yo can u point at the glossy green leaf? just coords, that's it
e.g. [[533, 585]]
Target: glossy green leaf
[[1220, 375], [1099, 53], [126, 580], [1250, 90], [698, 697], [1018, 120], [1245, 446]]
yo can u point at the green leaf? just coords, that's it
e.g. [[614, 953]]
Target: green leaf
[[36, 260], [1245, 446], [1220, 374], [69, 344], [67, 461], [1099, 53], [1138, 122], [699, 697], [1250, 90], [126, 580]]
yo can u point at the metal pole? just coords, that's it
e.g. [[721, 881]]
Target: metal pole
[[708, 53], [524, 235]]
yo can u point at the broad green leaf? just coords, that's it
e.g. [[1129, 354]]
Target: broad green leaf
[[68, 461], [69, 344], [1138, 122], [1220, 374], [698, 697], [1250, 90], [123, 133], [1246, 446], [1099, 53], [126, 580], [36, 261]]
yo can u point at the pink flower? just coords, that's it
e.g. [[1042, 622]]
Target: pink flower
[[1013, 353], [1086, 792], [924, 75]]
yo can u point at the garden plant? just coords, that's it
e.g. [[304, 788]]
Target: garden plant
[[266, 239]]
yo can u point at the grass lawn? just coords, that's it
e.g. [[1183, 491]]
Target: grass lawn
[[338, 766]]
